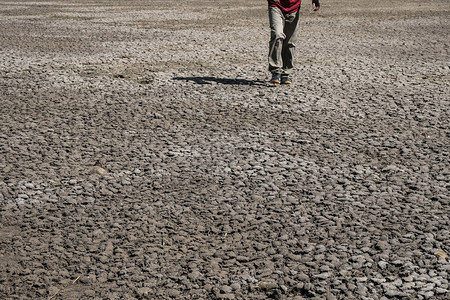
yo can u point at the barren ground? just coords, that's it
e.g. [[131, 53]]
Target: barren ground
[[143, 155]]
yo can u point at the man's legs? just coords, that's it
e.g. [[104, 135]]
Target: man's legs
[[283, 34], [277, 36], [290, 32]]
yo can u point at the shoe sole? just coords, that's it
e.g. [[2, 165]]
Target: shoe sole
[[286, 82], [275, 81]]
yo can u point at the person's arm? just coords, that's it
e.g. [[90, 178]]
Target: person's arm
[[316, 5]]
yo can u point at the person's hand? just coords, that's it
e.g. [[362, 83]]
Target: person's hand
[[316, 5]]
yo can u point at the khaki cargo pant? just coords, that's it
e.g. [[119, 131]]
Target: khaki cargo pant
[[283, 34]]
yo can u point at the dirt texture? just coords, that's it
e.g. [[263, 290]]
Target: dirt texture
[[144, 155]]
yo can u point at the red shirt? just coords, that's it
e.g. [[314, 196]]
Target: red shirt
[[287, 6]]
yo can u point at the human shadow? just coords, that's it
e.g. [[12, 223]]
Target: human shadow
[[210, 80]]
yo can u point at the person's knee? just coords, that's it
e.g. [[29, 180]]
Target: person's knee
[[277, 35]]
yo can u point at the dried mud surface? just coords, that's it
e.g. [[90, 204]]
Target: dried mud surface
[[143, 154]]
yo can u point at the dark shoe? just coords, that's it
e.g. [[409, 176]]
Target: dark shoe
[[276, 78], [285, 79], [316, 5]]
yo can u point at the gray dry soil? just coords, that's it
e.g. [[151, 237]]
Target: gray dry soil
[[144, 155]]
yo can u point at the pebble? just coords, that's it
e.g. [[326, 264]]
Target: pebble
[[322, 275], [29, 185], [267, 286], [441, 291], [226, 289], [426, 294]]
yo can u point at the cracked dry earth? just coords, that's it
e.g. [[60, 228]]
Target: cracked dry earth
[[145, 156]]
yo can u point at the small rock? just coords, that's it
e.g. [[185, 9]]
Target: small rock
[[225, 296], [382, 264], [29, 185], [397, 282], [397, 263], [89, 293], [323, 275], [268, 286], [378, 280], [428, 287], [394, 293], [308, 287], [225, 289], [195, 275], [302, 277], [143, 291], [408, 278], [331, 297], [173, 293], [382, 245], [427, 295], [242, 259], [99, 170], [361, 279], [408, 285], [441, 254]]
